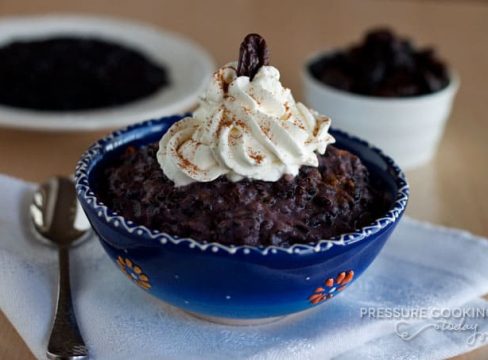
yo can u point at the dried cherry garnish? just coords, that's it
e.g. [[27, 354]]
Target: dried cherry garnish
[[253, 54]]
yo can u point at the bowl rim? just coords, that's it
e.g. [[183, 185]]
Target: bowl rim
[[307, 76], [117, 222]]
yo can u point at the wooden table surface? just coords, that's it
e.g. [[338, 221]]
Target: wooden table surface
[[451, 190]]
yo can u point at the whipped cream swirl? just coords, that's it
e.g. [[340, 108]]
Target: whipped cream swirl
[[244, 129]]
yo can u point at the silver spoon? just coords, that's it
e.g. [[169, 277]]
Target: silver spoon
[[58, 218]]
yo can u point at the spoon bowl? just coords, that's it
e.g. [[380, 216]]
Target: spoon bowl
[[56, 215]]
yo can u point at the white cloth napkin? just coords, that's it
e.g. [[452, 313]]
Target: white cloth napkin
[[420, 266]]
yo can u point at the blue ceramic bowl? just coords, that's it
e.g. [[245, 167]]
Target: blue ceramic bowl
[[235, 282]]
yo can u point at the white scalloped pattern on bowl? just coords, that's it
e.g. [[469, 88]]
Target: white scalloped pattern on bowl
[[117, 221]]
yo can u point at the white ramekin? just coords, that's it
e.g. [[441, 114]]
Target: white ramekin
[[407, 129]]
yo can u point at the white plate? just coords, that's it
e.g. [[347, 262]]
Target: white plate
[[188, 64]]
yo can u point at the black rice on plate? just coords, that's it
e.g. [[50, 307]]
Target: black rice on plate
[[75, 73]]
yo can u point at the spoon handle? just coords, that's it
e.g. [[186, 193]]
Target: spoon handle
[[65, 341]]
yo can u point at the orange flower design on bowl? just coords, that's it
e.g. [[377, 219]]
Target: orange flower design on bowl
[[133, 272], [331, 287]]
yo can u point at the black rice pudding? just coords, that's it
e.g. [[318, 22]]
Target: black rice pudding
[[69, 73], [337, 197]]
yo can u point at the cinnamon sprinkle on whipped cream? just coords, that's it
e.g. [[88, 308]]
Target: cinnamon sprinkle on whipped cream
[[244, 129]]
